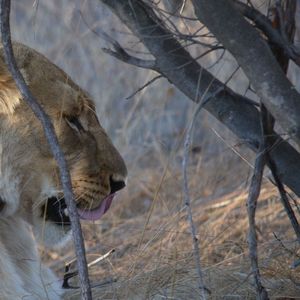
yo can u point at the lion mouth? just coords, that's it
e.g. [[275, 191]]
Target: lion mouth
[[97, 213], [56, 210]]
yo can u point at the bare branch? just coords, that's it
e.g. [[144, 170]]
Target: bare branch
[[284, 199], [264, 24], [122, 55], [286, 249], [270, 83], [177, 65], [54, 146], [144, 86], [288, 35], [187, 201], [254, 192], [68, 275], [119, 52]]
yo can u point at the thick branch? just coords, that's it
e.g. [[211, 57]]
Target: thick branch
[[176, 64], [256, 59], [122, 55], [267, 120], [264, 24], [54, 146]]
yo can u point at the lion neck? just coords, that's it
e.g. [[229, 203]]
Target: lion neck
[[15, 174]]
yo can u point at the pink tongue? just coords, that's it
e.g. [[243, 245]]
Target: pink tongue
[[97, 213]]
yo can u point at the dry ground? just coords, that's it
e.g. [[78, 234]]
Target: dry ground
[[153, 256]]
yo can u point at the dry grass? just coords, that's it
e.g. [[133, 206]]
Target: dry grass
[[154, 260], [147, 226]]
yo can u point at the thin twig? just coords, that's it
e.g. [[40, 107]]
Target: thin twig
[[254, 192], [295, 263], [119, 52], [289, 251], [144, 86], [296, 204], [187, 201], [68, 275], [284, 198], [264, 24], [54, 146], [182, 6]]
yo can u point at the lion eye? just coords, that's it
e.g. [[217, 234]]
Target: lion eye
[[74, 123]]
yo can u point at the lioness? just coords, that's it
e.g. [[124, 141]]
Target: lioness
[[32, 206]]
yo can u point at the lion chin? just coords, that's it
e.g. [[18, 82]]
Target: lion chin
[[32, 204]]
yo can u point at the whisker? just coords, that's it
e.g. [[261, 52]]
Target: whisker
[[44, 199], [25, 184], [89, 205], [90, 107]]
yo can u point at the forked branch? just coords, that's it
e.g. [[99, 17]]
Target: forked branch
[[273, 35], [255, 58], [254, 192], [181, 69]]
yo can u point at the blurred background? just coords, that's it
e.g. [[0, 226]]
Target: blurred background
[[146, 223]]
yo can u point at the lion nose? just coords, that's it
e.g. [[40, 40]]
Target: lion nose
[[116, 184]]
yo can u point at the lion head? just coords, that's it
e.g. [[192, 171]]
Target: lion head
[[29, 179]]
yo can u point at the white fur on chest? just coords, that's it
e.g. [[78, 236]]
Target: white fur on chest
[[22, 274], [9, 187]]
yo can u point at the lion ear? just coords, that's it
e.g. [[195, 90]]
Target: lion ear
[[9, 93]]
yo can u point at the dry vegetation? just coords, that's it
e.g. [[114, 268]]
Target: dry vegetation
[[147, 224], [153, 256]]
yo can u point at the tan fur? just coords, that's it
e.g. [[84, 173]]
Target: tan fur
[[29, 174]]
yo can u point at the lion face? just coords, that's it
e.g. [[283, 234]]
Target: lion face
[[29, 184]]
